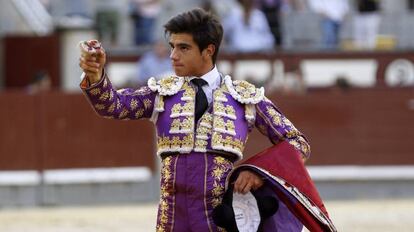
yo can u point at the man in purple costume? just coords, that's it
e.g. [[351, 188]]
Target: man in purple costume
[[202, 120]]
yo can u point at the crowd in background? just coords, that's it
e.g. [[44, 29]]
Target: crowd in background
[[250, 25]]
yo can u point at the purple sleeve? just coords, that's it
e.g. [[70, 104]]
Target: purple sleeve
[[272, 123], [120, 104]]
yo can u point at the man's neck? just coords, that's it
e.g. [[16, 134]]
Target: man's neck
[[205, 70]]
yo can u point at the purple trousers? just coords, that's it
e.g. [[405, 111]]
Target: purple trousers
[[192, 185]]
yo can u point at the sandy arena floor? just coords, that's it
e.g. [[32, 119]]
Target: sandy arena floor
[[378, 216]]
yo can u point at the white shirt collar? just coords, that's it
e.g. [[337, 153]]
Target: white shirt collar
[[212, 77]]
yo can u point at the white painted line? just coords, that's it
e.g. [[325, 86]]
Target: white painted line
[[142, 174], [19, 178], [97, 175], [345, 173]]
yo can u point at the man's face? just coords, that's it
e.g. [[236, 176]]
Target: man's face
[[186, 58]]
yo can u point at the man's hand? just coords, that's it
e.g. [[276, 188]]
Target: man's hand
[[246, 181], [92, 63]]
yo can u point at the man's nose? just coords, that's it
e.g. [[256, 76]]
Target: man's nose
[[173, 54]]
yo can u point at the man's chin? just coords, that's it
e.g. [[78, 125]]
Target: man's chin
[[181, 74]]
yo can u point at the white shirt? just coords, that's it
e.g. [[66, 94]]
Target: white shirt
[[333, 9], [213, 79], [254, 37]]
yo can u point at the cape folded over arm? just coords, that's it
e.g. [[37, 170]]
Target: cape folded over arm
[[287, 179]]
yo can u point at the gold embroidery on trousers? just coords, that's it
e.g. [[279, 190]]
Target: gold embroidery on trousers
[[221, 167], [166, 176]]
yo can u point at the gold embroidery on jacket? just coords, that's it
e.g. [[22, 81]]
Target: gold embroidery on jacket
[[184, 126], [227, 127], [220, 96], [226, 111], [276, 116], [133, 104], [99, 106], [227, 143], [166, 144], [111, 95], [182, 110], [147, 103], [95, 91], [104, 96], [189, 92], [203, 132], [118, 104], [245, 88], [111, 108], [139, 113], [123, 113]]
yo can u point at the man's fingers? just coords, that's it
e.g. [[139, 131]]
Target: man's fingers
[[239, 185], [101, 56], [88, 57], [89, 64], [87, 68], [247, 187], [257, 184], [247, 181]]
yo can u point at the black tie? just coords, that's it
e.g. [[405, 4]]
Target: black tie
[[201, 102]]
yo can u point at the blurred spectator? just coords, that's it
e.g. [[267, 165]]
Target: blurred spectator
[[246, 29], [272, 10], [295, 5], [222, 8], [144, 13], [41, 82], [107, 21], [411, 5], [209, 6], [333, 13], [366, 24], [72, 8], [154, 63]]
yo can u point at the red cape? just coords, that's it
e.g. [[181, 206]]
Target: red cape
[[282, 166]]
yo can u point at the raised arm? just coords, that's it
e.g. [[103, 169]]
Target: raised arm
[[104, 98]]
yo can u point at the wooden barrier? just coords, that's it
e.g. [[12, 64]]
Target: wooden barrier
[[57, 130]]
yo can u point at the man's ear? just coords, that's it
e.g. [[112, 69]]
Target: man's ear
[[209, 51]]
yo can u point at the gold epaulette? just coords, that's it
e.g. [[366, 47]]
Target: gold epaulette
[[166, 86], [243, 91]]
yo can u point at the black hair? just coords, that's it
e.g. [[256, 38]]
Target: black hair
[[205, 28]]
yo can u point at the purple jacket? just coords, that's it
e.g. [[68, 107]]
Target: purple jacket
[[237, 107]]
